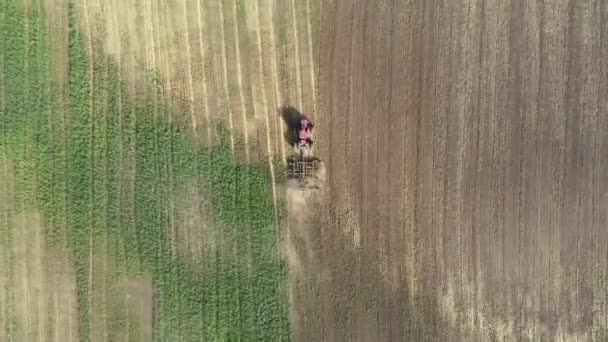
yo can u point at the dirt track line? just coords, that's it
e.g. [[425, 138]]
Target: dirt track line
[[463, 118], [149, 33], [203, 74], [41, 295], [10, 308], [275, 78], [4, 278], [56, 316], [104, 287], [25, 276], [189, 66], [166, 61], [225, 73], [311, 60], [121, 130], [165, 57], [70, 323], [296, 42], [155, 24], [91, 103], [23, 234], [601, 99], [90, 278], [3, 293], [127, 318], [239, 75], [269, 150]]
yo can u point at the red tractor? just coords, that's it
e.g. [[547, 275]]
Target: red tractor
[[303, 164], [304, 132]]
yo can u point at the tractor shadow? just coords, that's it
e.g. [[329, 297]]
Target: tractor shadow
[[291, 117]]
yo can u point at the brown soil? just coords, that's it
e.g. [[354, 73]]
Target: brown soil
[[466, 151], [139, 297]]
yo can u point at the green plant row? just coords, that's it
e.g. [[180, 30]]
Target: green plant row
[[79, 168]]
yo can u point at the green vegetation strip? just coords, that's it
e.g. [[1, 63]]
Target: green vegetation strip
[[111, 170]]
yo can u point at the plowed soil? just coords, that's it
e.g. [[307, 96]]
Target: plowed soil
[[467, 166]]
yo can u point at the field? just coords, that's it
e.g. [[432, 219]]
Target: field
[[466, 153], [142, 158], [140, 155]]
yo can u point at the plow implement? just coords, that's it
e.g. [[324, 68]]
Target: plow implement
[[303, 168]]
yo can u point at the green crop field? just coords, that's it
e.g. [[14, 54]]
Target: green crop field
[[117, 222]]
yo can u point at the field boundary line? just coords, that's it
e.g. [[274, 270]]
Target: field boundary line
[[225, 74], [203, 74], [189, 66], [275, 76]]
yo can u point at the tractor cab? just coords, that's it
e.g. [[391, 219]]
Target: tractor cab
[[304, 131]]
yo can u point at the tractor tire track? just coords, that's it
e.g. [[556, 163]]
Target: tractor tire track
[[278, 97], [265, 109], [269, 150], [205, 97], [4, 205], [106, 234], [165, 23], [21, 238], [239, 75], [224, 62], [311, 61], [89, 34], [296, 56], [189, 69]]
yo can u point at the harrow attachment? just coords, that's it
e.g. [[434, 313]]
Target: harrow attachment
[[303, 168]]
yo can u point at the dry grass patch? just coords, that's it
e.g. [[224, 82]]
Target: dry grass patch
[[197, 238], [194, 236], [62, 297], [140, 298], [6, 207], [31, 289], [130, 311]]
